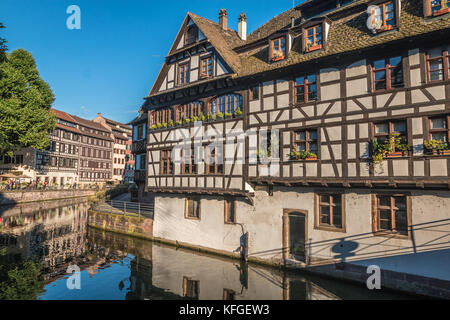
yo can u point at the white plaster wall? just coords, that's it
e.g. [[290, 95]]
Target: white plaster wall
[[263, 221]]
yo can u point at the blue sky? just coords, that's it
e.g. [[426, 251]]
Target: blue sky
[[111, 63]]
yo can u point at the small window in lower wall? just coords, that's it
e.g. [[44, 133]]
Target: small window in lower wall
[[230, 210], [330, 213], [390, 214], [191, 288], [229, 294], [192, 208]]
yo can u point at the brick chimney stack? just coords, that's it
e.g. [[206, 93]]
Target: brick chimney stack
[[223, 19], [242, 27]]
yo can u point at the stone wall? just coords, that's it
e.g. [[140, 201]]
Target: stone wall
[[41, 195], [133, 226]]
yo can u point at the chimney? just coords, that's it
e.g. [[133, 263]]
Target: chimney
[[242, 26], [223, 19]]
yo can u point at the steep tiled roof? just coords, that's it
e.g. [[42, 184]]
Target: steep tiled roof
[[347, 35], [91, 124], [62, 115], [223, 40]]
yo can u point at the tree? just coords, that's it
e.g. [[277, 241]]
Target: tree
[[25, 100]]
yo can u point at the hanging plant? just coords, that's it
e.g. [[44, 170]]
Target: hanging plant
[[303, 155]]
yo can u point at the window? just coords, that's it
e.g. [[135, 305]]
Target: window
[[387, 73], [306, 89], [306, 140], [226, 104], [166, 166], [140, 132], [330, 211], [160, 116], [206, 67], [385, 130], [142, 164], [439, 129], [438, 7], [191, 35], [438, 65], [191, 288], [254, 92], [189, 110], [383, 16], [183, 74], [390, 214], [230, 210], [192, 208], [188, 165], [313, 38], [278, 49], [214, 161]]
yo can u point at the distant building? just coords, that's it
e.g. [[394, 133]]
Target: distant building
[[80, 152], [123, 160]]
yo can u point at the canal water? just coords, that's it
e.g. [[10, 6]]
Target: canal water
[[39, 242]]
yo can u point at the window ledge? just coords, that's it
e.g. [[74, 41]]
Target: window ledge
[[306, 159], [390, 234], [314, 48], [397, 154], [330, 228], [440, 12], [278, 59]]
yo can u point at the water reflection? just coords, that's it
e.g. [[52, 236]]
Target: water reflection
[[119, 267]]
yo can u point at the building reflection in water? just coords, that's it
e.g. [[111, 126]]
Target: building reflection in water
[[120, 267]]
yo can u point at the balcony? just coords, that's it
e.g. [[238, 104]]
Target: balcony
[[139, 146]]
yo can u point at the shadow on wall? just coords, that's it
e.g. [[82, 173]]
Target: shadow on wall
[[429, 258]]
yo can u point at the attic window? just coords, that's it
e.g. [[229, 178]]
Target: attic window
[[313, 38], [384, 17], [438, 7], [191, 35], [278, 49]]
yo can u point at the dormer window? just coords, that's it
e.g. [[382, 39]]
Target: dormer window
[[314, 38], [384, 16], [438, 7], [278, 49]]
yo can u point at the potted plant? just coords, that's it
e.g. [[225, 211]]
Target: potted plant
[[187, 121], [228, 115], [201, 117], [310, 46], [170, 124], [398, 147], [237, 112], [219, 115], [211, 117], [159, 125], [303, 155], [277, 56], [164, 124], [436, 147], [179, 123]]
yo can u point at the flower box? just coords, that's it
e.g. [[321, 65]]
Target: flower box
[[278, 59], [438, 152], [396, 154], [311, 159], [313, 48], [441, 12]]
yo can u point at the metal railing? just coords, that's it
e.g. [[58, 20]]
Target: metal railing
[[133, 209]]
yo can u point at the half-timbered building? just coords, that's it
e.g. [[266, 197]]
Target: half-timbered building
[[333, 123]]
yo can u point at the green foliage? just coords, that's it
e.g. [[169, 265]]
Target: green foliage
[[194, 119], [380, 150], [211, 117], [186, 121], [20, 281], [436, 145], [228, 115], [302, 155], [202, 117], [179, 123], [170, 124], [25, 100], [219, 115], [238, 112]]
